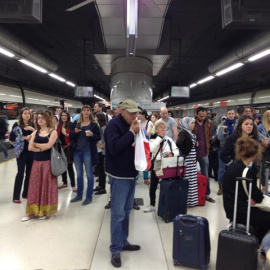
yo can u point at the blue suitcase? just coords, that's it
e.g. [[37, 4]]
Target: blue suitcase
[[191, 241], [172, 198]]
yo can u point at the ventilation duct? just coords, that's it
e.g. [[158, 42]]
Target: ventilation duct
[[13, 43], [255, 45]]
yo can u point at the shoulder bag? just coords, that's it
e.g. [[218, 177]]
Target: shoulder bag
[[58, 159], [264, 205]]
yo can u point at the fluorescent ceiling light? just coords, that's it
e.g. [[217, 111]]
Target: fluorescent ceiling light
[[7, 53], [57, 77], [163, 98], [99, 97], [259, 55], [192, 85], [132, 18], [228, 69], [2, 94], [33, 98], [71, 84], [32, 65], [44, 100], [206, 79]]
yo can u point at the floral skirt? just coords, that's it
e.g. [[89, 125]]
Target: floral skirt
[[42, 198]]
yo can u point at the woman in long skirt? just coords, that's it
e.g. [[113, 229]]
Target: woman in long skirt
[[42, 200]]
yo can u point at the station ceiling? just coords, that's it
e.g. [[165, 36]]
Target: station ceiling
[[192, 36]]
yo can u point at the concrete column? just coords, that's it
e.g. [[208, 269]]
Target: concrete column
[[131, 78]]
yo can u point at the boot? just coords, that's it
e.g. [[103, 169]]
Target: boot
[[219, 188]]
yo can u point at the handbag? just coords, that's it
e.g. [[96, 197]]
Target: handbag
[[215, 142], [264, 205], [58, 159]]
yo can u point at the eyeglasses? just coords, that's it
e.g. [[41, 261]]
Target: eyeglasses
[[40, 118]]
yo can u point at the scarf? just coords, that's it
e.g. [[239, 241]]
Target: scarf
[[230, 125], [185, 124]]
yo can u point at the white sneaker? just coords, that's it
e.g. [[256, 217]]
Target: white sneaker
[[42, 217], [26, 218], [149, 208]]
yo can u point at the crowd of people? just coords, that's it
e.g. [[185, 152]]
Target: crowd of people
[[105, 139]]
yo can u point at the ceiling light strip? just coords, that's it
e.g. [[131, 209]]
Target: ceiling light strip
[[206, 79], [230, 68], [163, 98], [32, 65], [99, 97], [259, 55], [6, 52], [57, 77]]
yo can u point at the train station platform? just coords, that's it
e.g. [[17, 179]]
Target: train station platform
[[78, 237]]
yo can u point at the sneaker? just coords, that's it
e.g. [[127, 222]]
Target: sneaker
[[42, 217], [76, 199], [6, 158], [136, 206], [108, 206], [27, 218], [87, 201], [149, 208]]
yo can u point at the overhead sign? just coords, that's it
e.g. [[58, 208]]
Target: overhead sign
[[151, 106]]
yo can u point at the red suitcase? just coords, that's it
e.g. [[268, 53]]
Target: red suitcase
[[202, 185]]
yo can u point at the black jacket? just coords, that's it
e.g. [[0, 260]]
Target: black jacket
[[228, 152], [235, 170], [184, 142], [3, 128]]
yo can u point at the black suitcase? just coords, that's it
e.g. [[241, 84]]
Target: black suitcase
[[172, 198], [237, 250], [191, 241]]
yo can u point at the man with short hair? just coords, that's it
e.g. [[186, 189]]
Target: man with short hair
[[58, 111], [247, 110], [171, 126], [76, 115], [119, 137], [203, 131], [98, 107]]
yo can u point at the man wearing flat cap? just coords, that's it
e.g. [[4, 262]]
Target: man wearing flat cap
[[119, 161]]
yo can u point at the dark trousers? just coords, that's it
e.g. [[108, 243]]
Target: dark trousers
[[101, 171], [24, 163], [153, 188], [71, 175]]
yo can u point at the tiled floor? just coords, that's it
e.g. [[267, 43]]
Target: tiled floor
[[78, 237]]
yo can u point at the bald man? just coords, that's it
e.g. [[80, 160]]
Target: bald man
[[171, 126]]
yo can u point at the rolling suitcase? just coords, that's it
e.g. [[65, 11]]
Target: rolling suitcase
[[191, 241], [237, 249], [172, 198], [202, 185]]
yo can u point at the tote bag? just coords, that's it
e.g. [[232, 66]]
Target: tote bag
[[265, 204], [142, 159], [58, 159]]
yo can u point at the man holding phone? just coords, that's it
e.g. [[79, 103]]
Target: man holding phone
[[119, 161]]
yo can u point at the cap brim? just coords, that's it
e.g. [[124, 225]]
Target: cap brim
[[132, 110]]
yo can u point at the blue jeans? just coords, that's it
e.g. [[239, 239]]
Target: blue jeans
[[145, 175], [204, 164], [80, 159], [221, 166], [122, 197]]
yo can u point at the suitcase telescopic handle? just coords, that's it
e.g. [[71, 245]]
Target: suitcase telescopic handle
[[249, 180]]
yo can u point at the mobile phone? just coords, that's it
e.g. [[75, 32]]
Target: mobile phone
[[78, 126]]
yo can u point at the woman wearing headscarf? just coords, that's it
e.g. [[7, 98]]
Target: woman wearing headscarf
[[186, 142]]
